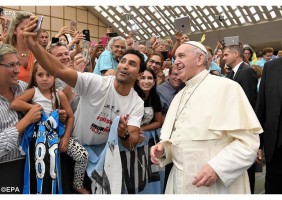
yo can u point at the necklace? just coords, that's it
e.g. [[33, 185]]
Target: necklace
[[178, 111]]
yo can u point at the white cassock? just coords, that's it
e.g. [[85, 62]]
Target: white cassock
[[218, 126]]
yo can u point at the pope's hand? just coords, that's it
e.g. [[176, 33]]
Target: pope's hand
[[157, 152], [206, 177]]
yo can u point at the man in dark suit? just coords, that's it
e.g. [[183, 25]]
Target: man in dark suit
[[247, 78], [268, 110]]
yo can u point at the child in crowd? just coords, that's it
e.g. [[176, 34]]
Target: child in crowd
[[41, 90]]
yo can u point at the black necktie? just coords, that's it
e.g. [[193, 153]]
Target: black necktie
[[231, 74]]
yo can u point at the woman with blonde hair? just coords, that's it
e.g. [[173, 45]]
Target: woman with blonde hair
[[15, 38]]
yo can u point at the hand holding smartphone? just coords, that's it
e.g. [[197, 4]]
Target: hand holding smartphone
[[86, 32], [39, 23]]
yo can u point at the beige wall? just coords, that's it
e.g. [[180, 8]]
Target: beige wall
[[56, 17]]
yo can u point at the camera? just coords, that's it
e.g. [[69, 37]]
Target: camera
[[219, 17]]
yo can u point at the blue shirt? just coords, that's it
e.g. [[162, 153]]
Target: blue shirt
[[106, 61], [214, 66], [261, 62], [166, 93]]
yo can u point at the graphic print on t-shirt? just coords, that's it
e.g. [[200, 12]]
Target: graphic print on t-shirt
[[103, 121]]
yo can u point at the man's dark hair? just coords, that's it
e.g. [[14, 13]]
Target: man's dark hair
[[140, 55]]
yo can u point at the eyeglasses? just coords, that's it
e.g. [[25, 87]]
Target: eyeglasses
[[155, 62], [119, 47], [11, 65]]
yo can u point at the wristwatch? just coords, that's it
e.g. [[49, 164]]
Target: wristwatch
[[125, 136]]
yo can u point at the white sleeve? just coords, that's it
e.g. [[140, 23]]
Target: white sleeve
[[233, 160]]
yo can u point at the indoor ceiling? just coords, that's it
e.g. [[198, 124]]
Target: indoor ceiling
[[159, 20]]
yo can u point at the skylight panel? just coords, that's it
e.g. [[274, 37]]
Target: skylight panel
[[117, 17], [242, 20], [228, 22], [111, 12], [148, 17], [215, 24], [166, 13], [238, 13], [157, 15], [151, 9], [273, 15], [194, 14], [253, 10], [177, 10], [211, 18], [203, 26], [98, 8], [119, 9], [206, 11], [139, 19], [199, 21]]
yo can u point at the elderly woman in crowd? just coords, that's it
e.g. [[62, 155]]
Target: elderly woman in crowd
[[15, 38], [108, 60]]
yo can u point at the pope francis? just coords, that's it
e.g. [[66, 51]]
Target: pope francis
[[210, 132]]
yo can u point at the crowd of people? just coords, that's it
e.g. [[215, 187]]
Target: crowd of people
[[168, 117]]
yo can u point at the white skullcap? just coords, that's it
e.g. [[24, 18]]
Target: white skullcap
[[198, 45]]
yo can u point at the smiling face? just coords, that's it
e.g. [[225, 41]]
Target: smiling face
[[128, 69], [146, 82], [188, 62], [9, 75], [62, 54], [173, 78], [118, 48], [155, 63]]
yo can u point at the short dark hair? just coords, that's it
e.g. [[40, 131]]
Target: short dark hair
[[139, 55]]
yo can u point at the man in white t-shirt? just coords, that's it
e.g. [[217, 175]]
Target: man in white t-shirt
[[101, 98]]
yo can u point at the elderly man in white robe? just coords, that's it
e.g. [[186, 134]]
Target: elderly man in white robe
[[211, 133]]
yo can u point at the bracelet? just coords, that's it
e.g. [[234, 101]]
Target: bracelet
[[125, 136]]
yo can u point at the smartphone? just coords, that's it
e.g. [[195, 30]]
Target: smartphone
[[73, 24], [165, 55], [104, 41], [148, 46], [136, 45], [233, 40], [112, 34], [39, 23], [55, 40], [85, 51], [87, 34]]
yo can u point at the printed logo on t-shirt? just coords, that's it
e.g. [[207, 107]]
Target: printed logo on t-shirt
[[103, 121]]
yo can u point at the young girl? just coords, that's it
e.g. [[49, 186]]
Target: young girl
[[41, 90]]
